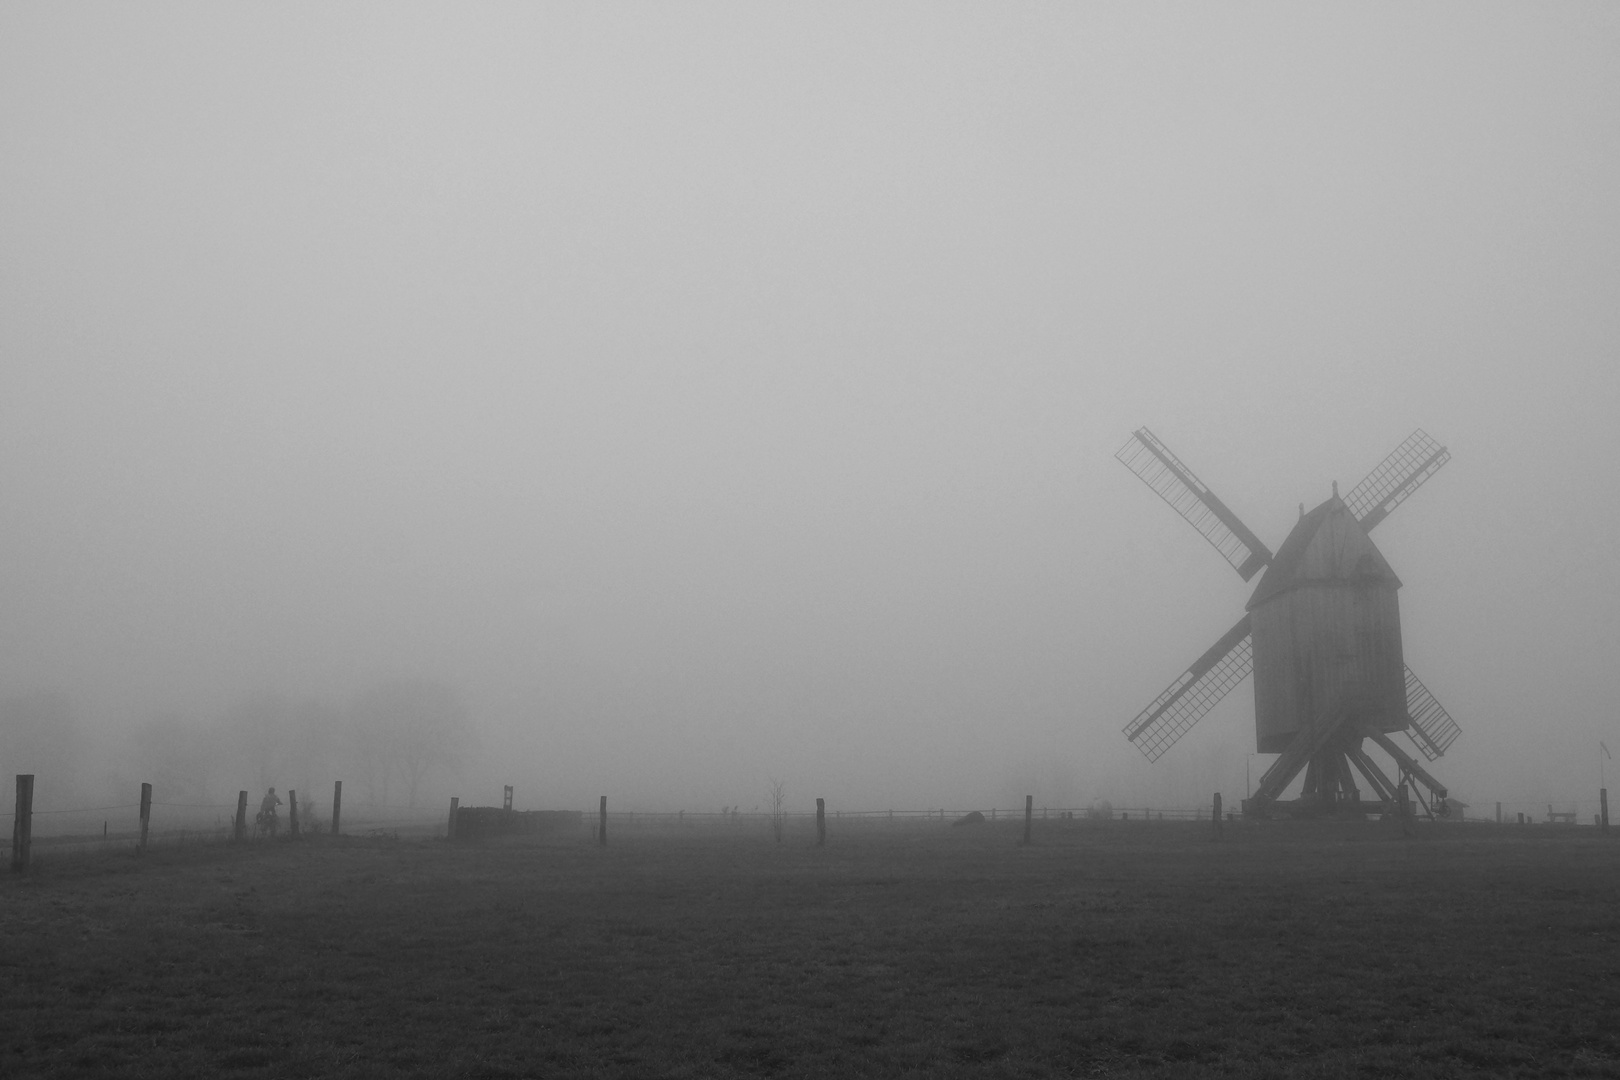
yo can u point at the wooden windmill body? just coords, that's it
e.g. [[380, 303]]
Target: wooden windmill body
[[1322, 636]]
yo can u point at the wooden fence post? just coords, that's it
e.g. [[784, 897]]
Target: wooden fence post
[[146, 812], [1499, 813], [1029, 815], [1603, 803], [601, 827], [337, 804], [1217, 812], [450, 831], [240, 829], [292, 814], [22, 826], [821, 823]]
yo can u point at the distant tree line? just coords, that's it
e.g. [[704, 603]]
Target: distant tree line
[[389, 744]]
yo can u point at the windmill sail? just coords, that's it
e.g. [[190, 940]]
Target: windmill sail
[[1199, 689], [1433, 729], [1395, 478], [1173, 482]]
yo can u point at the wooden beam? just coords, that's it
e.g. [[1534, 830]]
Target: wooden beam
[[1306, 742], [1407, 762], [1383, 785]]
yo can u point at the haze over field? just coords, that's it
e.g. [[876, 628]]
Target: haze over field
[[709, 393]]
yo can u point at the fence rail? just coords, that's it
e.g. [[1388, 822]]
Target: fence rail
[[64, 827]]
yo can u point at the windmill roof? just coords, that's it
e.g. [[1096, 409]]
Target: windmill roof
[[1327, 545]]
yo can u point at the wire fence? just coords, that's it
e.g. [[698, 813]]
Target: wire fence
[[938, 814], [187, 821], [112, 825]]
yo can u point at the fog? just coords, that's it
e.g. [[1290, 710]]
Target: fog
[[692, 395]]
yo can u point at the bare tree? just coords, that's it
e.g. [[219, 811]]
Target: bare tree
[[256, 728], [419, 727], [280, 740], [776, 797]]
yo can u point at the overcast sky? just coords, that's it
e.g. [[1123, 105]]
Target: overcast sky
[[715, 392]]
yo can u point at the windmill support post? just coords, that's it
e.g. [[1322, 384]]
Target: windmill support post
[[1329, 782], [1302, 753], [1603, 807], [1408, 765], [1383, 785]]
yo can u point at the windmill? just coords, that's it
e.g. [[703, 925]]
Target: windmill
[[1321, 634]]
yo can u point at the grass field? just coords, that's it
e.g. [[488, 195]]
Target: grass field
[[1117, 949]]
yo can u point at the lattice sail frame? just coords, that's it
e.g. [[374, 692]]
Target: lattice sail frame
[[1172, 481], [1405, 470], [1190, 697], [1433, 730]]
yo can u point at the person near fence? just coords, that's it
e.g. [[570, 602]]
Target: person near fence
[[267, 810]]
